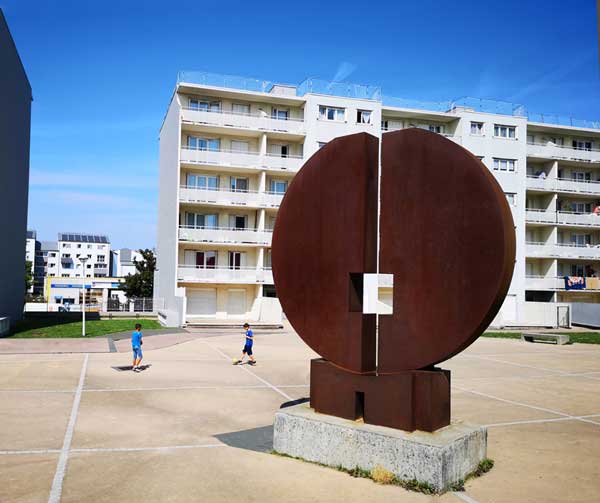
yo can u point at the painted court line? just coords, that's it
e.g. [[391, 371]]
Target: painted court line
[[464, 497], [243, 367], [31, 451], [537, 421], [147, 449], [535, 407], [184, 388], [57, 483]]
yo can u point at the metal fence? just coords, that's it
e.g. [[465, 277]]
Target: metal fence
[[135, 305]]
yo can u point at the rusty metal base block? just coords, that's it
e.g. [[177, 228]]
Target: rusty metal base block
[[409, 400]]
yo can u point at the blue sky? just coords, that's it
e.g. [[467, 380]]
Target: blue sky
[[102, 75]]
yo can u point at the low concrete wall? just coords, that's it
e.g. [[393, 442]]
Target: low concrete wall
[[585, 314]]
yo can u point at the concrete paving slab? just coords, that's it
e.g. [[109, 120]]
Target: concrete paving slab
[[481, 410], [166, 373], [570, 395], [464, 367], [218, 475], [546, 463], [46, 345], [37, 375], [157, 418], [556, 361], [26, 478], [33, 420], [283, 372]]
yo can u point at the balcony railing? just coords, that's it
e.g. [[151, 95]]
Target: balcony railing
[[235, 158], [562, 218], [260, 122], [193, 273], [225, 235], [558, 283], [225, 197], [563, 250], [563, 185], [552, 151]]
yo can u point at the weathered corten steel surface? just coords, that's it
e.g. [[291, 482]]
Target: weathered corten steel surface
[[326, 229], [447, 236], [409, 400]]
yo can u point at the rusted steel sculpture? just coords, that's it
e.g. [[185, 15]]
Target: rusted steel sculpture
[[447, 236]]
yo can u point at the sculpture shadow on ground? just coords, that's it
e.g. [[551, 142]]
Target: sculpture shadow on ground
[[254, 439]]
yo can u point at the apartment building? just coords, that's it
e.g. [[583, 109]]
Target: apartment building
[[71, 247], [122, 262], [33, 254], [230, 147], [15, 126]]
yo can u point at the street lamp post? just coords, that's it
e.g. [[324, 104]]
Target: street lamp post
[[83, 260]]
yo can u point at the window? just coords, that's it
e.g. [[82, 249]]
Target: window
[[504, 164], [205, 105], [204, 143], [66, 245], [88, 266], [278, 186], [581, 239], [477, 128], [332, 113], [78, 245], [581, 207], [89, 248], [582, 145], [281, 114], [200, 221], [577, 270], [434, 128], [239, 184], [240, 109], [205, 182], [363, 116], [101, 258], [501, 131], [580, 176], [201, 259], [530, 139], [66, 255], [511, 197], [279, 150], [236, 259], [557, 140], [237, 222]]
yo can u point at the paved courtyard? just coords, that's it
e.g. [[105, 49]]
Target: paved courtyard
[[193, 427]]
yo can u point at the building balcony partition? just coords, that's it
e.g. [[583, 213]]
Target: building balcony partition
[[258, 122], [563, 185], [250, 275], [225, 235], [558, 283], [227, 197], [550, 150], [235, 158], [563, 250]]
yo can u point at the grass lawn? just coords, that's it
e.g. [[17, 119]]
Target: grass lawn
[[580, 337], [65, 327]]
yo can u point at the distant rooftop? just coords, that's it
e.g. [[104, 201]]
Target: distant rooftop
[[31, 234], [82, 238], [365, 91], [49, 246]]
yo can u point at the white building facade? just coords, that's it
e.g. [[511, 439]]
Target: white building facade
[[71, 247], [229, 148], [122, 262]]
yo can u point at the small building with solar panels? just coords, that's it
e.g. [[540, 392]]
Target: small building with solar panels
[[72, 246]]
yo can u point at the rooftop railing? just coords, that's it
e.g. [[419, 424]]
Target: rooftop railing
[[370, 92]]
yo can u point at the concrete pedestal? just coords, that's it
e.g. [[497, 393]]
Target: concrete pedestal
[[440, 458]]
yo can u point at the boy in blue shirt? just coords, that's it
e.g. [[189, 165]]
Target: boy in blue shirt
[[136, 346], [247, 347]]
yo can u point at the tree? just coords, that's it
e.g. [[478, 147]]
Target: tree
[[141, 284], [28, 276]]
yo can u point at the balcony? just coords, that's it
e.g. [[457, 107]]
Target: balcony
[[225, 235], [551, 151], [251, 275], [251, 160], [224, 197], [563, 185], [558, 283], [258, 122], [562, 218], [563, 250]]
